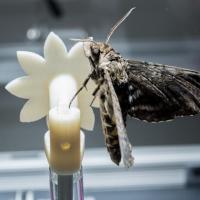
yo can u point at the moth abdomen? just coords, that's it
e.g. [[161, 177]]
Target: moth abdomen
[[112, 144]]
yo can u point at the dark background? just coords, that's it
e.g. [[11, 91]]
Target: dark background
[[158, 31]]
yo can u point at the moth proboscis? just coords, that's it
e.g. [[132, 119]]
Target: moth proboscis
[[143, 90]]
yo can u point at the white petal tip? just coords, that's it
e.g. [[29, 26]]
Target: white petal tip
[[11, 87], [30, 62], [52, 34], [52, 37], [21, 54], [54, 48], [22, 118], [26, 119], [89, 124], [33, 111], [90, 128], [20, 87], [7, 87]]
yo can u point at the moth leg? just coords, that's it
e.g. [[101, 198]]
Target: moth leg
[[85, 82], [95, 68], [91, 62], [95, 93], [83, 85]]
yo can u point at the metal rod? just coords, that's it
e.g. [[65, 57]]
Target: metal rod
[[66, 187]]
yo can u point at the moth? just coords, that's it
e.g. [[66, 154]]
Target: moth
[[143, 90]]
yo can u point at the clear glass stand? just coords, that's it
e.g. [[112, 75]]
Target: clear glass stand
[[66, 187]]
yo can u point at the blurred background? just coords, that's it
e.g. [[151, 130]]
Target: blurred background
[[167, 154]]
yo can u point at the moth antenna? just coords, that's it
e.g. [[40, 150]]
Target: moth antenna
[[82, 40], [90, 39], [118, 23]]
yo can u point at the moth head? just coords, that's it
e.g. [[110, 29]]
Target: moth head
[[92, 50]]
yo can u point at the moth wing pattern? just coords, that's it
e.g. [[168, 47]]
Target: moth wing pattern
[[160, 92], [114, 124], [109, 126]]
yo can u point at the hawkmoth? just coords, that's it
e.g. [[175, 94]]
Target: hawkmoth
[[143, 90]]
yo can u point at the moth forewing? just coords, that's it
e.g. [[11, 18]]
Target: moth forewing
[[125, 146], [109, 125]]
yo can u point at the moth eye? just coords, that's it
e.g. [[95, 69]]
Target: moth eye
[[130, 88], [96, 51]]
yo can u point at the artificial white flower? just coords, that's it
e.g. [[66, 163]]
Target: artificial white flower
[[41, 71]]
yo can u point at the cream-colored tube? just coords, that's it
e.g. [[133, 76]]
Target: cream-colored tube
[[63, 152], [64, 125], [61, 90], [47, 144]]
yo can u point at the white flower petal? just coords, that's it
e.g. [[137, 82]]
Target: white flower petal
[[35, 87], [82, 68], [54, 49], [33, 110], [87, 119], [76, 58], [87, 114], [77, 50], [96, 103], [20, 87], [26, 87], [31, 63]]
